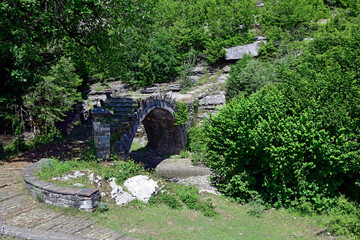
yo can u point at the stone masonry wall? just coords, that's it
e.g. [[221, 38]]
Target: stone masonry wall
[[82, 198]]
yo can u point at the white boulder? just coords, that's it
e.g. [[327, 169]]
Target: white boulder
[[121, 197], [142, 187]]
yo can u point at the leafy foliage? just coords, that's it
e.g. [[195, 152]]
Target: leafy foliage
[[181, 114], [248, 76], [344, 218], [299, 141], [51, 98]]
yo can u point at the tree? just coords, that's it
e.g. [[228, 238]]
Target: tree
[[49, 100]]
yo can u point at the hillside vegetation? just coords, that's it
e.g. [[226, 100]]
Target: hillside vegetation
[[290, 133]]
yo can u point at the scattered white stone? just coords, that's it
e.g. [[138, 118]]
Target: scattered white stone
[[260, 38], [194, 79], [121, 197], [76, 174], [95, 179], [308, 39], [142, 187], [198, 70], [78, 185]]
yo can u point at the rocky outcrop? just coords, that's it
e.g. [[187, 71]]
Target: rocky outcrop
[[252, 49], [211, 101], [164, 87]]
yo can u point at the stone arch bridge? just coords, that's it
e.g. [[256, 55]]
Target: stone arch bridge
[[115, 125]]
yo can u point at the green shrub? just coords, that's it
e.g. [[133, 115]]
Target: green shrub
[[344, 218], [297, 141], [175, 195], [266, 145], [170, 200], [181, 114], [101, 206], [291, 15], [207, 208], [256, 206], [196, 145], [18, 145], [248, 76]]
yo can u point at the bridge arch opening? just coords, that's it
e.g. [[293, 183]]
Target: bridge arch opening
[[164, 137], [155, 113]]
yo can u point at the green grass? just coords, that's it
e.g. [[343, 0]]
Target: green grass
[[233, 221], [182, 154], [119, 169], [178, 213], [137, 144]]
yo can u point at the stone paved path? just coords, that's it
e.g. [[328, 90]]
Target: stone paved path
[[18, 209]]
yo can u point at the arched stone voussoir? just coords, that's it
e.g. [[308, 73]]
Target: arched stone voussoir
[[156, 113]]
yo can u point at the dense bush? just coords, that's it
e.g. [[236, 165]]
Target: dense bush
[[293, 16], [344, 218], [248, 76], [297, 141]]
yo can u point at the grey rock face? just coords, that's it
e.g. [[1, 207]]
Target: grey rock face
[[212, 100], [161, 87], [198, 70], [223, 77], [194, 78], [142, 187], [236, 53]]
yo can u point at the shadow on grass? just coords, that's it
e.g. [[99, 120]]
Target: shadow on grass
[[148, 157]]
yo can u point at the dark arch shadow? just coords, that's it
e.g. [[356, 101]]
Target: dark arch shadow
[[164, 138]]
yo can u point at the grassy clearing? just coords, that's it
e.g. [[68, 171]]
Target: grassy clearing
[[178, 212], [233, 221]]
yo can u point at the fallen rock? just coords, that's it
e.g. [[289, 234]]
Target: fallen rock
[[236, 53], [78, 185], [173, 88], [149, 90], [121, 197], [194, 79], [142, 187]]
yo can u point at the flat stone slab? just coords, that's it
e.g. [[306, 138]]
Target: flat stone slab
[[180, 168], [236, 53]]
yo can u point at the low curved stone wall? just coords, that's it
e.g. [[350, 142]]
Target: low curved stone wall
[[82, 198]]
